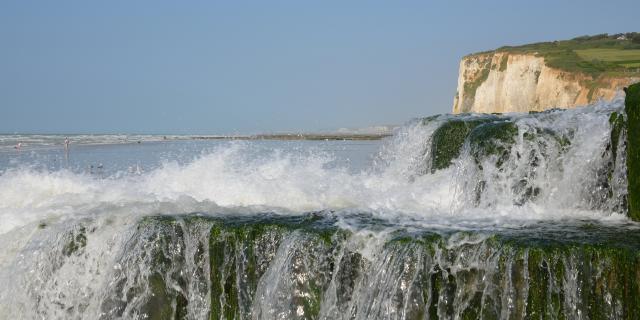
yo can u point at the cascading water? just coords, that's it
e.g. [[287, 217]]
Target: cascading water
[[519, 216]]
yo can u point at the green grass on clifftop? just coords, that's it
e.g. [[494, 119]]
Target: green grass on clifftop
[[611, 55]]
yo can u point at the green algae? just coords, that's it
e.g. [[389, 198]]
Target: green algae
[[159, 304], [159, 293], [166, 301], [493, 139], [224, 300], [617, 122], [435, 287], [349, 269], [77, 241], [591, 269], [605, 276], [238, 250], [240, 254], [632, 109], [545, 293], [561, 139], [448, 140]]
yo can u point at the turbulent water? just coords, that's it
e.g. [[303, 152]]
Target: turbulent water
[[454, 217]]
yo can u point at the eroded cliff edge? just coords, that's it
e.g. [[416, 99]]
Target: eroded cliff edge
[[541, 76], [520, 82]]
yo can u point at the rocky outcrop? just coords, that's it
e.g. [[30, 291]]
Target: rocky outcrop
[[305, 268], [632, 109], [498, 82]]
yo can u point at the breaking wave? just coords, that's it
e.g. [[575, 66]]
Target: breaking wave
[[401, 181]]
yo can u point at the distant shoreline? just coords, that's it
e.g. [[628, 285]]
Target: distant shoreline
[[298, 136], [55, 141]]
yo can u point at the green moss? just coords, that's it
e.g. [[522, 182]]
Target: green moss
[[224, 299], [166, 283], [313, 299], [475, 307], [531, 269], [158, 307], [350, 268], [434, 295], [546, 275], [606, 277], [617, 122], [164, 237], [240, 254], [77, 240], [493, 142], [448, 140], [613, 280], [632, 109], [181, 307], [493, 139]]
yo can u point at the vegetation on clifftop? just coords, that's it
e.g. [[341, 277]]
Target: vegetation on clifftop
[[603, 54]]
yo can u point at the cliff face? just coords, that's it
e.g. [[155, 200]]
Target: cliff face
[[517, 82]]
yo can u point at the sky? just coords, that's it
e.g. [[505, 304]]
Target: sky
[[234, 67]]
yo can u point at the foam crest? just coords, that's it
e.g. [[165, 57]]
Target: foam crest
[[399, 183]]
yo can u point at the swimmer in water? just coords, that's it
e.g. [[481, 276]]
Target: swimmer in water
[[66, 143], [18, 146]]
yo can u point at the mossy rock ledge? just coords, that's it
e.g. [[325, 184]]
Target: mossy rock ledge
[[308, 269], [632, 109], [492, 137]]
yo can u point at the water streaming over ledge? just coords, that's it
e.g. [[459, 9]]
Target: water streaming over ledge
[[458, 217]]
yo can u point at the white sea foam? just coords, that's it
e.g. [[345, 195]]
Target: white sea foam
[[74, 246], [234, 177]]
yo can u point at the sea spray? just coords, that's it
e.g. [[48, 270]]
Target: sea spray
[[522, 216], [304, 267], [557, 160]]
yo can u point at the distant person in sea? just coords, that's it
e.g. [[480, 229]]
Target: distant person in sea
[[135, 170], [66, 143], [18, 146]]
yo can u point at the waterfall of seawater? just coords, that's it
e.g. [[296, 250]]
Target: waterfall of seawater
[[518, 216]]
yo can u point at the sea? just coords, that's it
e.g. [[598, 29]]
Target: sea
[[81, 226]]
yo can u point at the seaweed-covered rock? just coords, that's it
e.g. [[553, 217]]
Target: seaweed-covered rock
[[632, 109], [493, 139], [150, 275], [448, 140], [307, 269], [238, 257]]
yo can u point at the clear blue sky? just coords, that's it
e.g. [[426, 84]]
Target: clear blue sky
[[258, 66]]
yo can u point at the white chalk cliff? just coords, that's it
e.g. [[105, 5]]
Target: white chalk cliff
[[498, 82]]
